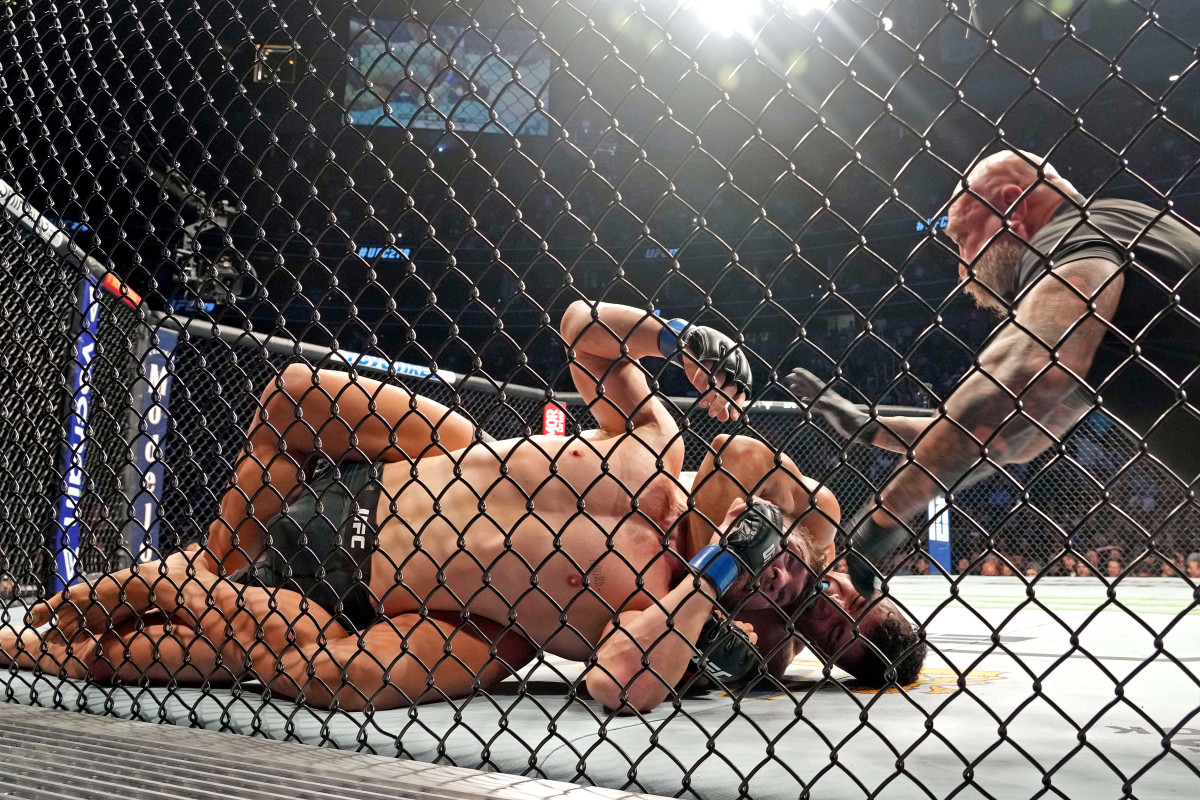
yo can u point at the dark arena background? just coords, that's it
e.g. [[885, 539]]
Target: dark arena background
[[198, 194]]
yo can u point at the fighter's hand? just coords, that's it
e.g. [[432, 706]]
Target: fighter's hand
[[843, 415], [725, 649], [873, 544], [718, 368], [747, 629], [720, 395], [756, 538]]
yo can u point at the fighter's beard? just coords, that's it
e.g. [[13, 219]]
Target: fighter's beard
[[994, 286]]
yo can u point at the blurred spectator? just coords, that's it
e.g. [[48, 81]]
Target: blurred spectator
[[1114, 568], [8, 587], [964, 566], [1093, 558], [1169, 570], [1193, 565], [922, 567], [1032, 570], [1069, 563], [989, 568], [1083, 570]]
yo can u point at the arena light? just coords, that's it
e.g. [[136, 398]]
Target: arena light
[[723, 16], [729, 17], [805, 6]]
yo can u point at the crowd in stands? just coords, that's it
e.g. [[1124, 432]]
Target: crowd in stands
[[1109, 562]]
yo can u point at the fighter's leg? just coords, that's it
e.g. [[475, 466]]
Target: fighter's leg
[[29, 648], [402, 661], [299, 652], [161, 650], [306, 412]]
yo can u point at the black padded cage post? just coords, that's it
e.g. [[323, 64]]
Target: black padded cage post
[[71, 350]]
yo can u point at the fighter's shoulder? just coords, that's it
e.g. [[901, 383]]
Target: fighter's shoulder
[[1083, 277], [1074, 234]]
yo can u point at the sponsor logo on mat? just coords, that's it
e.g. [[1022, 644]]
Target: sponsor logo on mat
[[932, 681], [940, 681]]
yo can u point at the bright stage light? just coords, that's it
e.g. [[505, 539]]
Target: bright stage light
[[726, 17], [804, 6]]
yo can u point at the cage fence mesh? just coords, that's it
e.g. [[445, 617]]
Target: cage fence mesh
[[433, 183], [38, 304], [219, 384]]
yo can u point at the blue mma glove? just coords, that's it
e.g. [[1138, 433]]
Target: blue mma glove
[[749, 546], [705, 344]]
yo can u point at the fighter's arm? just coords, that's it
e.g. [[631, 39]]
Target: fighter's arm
[[898, 433], [739, 466], [1032, 366], [892, 432], [644, 654], [606, 342], [408, 660], [1053, 428]]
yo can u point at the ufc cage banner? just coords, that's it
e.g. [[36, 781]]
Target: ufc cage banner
[[67, 530], [148, 470]]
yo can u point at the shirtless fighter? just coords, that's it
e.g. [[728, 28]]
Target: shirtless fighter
[[1100, 308], [371, 553]]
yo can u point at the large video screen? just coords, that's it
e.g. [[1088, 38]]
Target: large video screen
[[432, 92]]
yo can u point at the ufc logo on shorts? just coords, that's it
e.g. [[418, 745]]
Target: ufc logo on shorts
[[359, 529]]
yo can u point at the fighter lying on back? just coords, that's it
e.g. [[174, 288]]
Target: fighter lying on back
[[371, 553]]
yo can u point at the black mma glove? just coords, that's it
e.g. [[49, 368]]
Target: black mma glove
[[844, 416], [726, 652], [871, 544], [705, 344], [748, 547]]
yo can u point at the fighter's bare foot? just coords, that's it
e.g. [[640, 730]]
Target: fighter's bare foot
[[121, 596], [46, 650]]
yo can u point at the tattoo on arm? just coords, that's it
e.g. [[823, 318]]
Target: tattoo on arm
[[1034, 363]]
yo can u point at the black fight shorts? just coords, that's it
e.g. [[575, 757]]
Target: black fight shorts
[[322, 546]]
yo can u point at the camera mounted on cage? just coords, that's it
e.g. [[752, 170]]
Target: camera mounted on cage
[[198, 281]]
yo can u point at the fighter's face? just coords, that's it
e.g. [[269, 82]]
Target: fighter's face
[[829, 623], [784, 579]]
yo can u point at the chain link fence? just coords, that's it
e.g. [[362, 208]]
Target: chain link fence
[[199, 194], [219, 381]]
